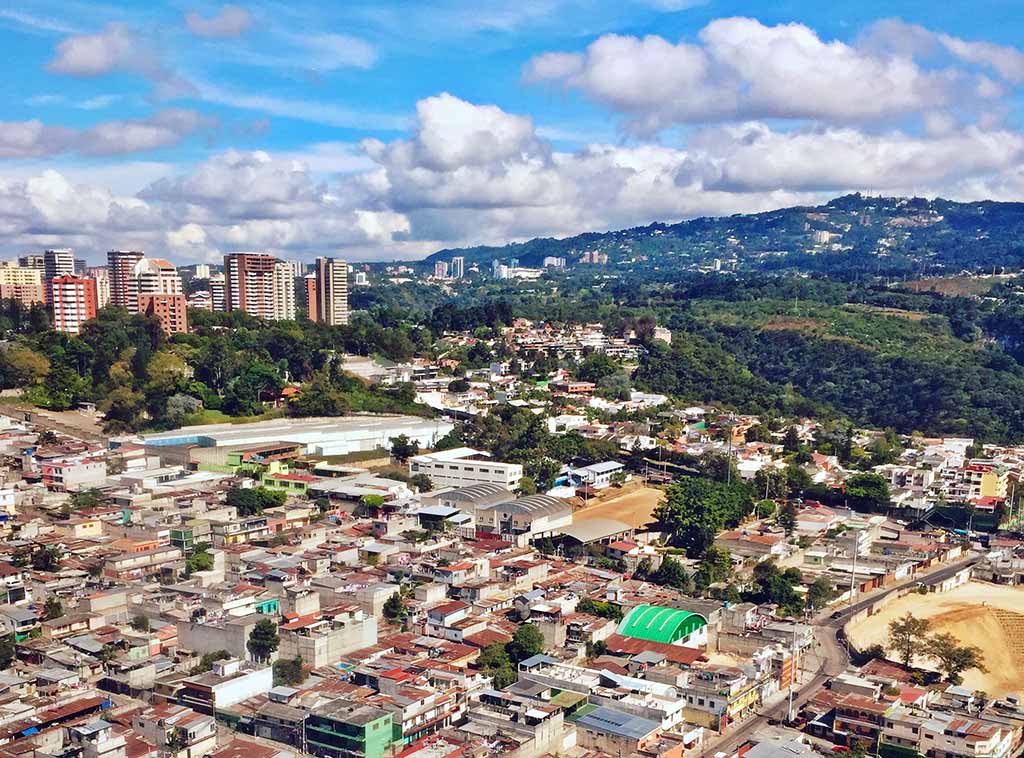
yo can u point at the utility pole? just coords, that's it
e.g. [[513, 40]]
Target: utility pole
[[796, 674], [853, 573]]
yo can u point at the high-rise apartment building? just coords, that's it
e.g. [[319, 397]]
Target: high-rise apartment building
[[332, 291], [202, 271], [124, 291], [312, 302], [101, 275], [171, 310], [22, 284], [217, 293], [458, 267], [32, 260], [74, 302], [156, 276], [58, 262], [256, 284], [283, 296], [441, 269]]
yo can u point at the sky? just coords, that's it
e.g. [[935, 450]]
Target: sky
[[388, 129]]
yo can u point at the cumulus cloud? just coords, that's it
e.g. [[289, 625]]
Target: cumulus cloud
[[95, 54], [473, 173], [117, 48], [742, 69], [33, 139], [232, 21]]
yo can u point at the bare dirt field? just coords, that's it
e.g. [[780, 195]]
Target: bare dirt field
[[633, 505], [989, 616]]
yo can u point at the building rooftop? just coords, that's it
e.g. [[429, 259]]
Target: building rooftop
[[618, 723]]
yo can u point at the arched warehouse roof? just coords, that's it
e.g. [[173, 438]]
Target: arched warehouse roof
[[656, 623]]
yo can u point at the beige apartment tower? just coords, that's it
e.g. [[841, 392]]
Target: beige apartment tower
[[331, 291]]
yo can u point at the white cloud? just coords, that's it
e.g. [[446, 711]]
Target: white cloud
[[33, 139], [232, 21], [742, 69], [472, 173], [312, 111], [99, 102], [117, 48], [95, 54], [36, 23]]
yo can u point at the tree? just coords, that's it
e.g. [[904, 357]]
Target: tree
[[867, 492], [321, 396], [52, 608], [207, 661], [771, 483], [252, 501], [599, 608], [495, 662], [527, 486], [786, 518], [47, 559], [671, 573], [458, 385], [421, 482], [264, 640], [791, 442], [758, 433], [695, 510], [955, 658], [394, 608], [402, 448], [597, 649], [140, 623], [23, 367], [369, 505], [819, 593], [288, 671], [526, 642], [86, 499], [715, 566], [6, 651], [908, 636], [46, 437], [772, 585], [200, 560]]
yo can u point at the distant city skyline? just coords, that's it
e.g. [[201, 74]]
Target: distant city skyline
[[376, 131]]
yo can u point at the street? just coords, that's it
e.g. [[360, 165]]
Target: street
[[833, 660]]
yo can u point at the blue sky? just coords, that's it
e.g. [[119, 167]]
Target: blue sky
[[390, 129]]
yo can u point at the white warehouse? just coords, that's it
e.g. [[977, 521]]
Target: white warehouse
[[463, 466], [319, 436]]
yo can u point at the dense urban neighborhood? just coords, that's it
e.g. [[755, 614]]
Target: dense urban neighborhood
[[245, 516]]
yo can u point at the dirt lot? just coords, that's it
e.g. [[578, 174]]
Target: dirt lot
[[986, 615], [632, 505]]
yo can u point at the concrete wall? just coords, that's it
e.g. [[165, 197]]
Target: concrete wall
[[327, 648], [204, 638]]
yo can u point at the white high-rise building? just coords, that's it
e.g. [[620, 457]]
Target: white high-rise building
[[217, 292], [458, 267], [284, 292], [202, 271], [57, 262]]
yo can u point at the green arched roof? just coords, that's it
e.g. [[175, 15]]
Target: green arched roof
[[659, 624]]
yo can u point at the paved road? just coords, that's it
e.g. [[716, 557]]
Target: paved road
[[834, 660]]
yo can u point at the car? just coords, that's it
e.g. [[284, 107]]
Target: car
[[840, 749], [774, 722], [836, 615]]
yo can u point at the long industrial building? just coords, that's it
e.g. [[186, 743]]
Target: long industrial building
[[318, 436]]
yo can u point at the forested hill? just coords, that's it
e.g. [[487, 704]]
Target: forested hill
[[850, 235]]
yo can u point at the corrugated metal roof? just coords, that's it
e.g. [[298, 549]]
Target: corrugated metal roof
[[660, 624]]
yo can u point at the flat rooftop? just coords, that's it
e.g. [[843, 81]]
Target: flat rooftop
[[299, 431]]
